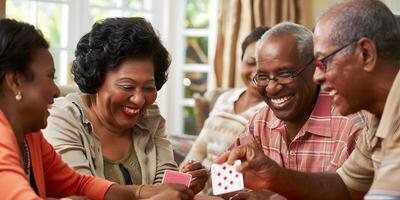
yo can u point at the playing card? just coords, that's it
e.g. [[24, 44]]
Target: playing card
[[176, 177], [225, 178]]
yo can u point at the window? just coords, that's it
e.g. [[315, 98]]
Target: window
[[187, 28], [63, 22], [51, 17], [192, 69]]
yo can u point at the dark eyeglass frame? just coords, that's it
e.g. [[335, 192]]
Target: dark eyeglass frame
[[277, 78], [321, 63]]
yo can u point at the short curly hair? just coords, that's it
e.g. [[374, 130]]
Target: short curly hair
[[113, 41], [18, 43]]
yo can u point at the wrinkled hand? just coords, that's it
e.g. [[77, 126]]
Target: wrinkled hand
[[176, 191], [257, 194], [199, 175], [70, 198], [206, 197], [258, 170]]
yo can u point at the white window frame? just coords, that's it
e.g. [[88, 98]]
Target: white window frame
[[173, 91], [167, 17]]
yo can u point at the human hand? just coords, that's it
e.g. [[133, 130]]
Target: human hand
[[257, 194], [172, 192], [206, 197], [199, 174], [258, 170], [70, 198], [177, 191]]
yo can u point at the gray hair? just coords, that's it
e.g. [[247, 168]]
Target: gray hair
[[301, 33], [365, 18]]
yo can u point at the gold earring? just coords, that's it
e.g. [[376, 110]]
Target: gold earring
[[18, 97]]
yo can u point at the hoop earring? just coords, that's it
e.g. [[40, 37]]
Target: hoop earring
[[18, 97]]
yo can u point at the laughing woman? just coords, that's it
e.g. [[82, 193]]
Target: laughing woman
[[29, 166], [113, 129]]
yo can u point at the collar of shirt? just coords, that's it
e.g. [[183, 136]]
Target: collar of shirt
[[390, 120], [319, 121], [142, 122]]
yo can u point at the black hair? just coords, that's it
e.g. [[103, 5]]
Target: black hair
[[113, 41], [253, 37], [18, 43]]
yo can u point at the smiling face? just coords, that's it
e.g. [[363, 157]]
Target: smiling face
[[289, 102], [344, 77], [38, 92], [248, 69], [125, 93]]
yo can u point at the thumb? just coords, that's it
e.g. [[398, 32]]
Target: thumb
[[255, 160]]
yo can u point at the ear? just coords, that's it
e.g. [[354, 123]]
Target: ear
[[369, 53], [13, 81]]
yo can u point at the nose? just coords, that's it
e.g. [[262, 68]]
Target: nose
[[56, 91], [319, 76], [138, 98], [273, 88]]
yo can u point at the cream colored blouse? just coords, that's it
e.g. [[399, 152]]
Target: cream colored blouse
[[71, 133]]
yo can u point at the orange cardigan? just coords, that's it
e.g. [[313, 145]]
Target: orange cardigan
[[52, 176]]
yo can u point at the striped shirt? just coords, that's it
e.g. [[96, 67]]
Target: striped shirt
[[322, 145]]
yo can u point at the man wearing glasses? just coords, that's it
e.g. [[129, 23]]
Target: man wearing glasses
[[357, 46], [300, 129]]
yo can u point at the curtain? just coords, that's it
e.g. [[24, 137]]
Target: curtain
[[2, 9], [236, 19]]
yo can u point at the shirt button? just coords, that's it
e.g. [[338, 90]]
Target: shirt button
[[292, 153]]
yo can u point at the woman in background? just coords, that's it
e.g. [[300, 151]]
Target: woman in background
[[29, 166], [232, 111], [113, 129]]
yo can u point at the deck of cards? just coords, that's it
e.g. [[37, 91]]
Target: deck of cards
[[225, 178], [177, 177]]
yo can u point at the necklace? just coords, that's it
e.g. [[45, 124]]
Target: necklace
[[27, 159]]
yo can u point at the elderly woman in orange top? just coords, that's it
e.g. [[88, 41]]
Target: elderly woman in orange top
[[29, 166]]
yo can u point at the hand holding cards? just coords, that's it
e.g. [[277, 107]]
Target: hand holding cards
[[177, 177], [225, 178]]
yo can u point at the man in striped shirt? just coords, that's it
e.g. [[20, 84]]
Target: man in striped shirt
[[300, 129], [356, 43]]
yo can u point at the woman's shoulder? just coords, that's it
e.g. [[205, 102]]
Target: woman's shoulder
[[70, 105], [151, 115], [229, 96], [232, 94], [153, 110]]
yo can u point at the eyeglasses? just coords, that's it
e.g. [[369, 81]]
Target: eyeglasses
[[262, 80], [322, 63]]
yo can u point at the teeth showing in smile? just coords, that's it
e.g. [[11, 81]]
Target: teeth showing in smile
[[131, 111], [333, 93], [280, 102]]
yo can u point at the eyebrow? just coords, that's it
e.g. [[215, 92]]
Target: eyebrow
[[132, 80]]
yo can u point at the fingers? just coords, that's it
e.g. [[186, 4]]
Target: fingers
[[191, 166], [222, 158], [238, 153], [184, 192], [172, 193], [240, 196], [176, 186], [200, 173], [198, 184]]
